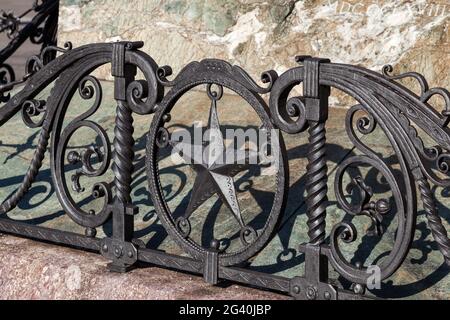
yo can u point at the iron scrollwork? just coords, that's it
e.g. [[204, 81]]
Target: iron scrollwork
[[383, 105], [89, 87], [40, 30]]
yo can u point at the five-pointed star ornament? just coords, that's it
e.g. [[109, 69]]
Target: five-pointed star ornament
[[215, 168]]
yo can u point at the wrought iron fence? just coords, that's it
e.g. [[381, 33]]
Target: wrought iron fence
[[382, 103], [40, 30]]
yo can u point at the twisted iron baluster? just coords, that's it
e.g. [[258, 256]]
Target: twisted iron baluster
[[123, 152], [316, 183], [118, 248], [314, 284], [434, 221]]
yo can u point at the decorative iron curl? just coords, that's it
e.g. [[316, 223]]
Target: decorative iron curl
[[37, 62], [403, 198], [88, 88], [445, 94], [424, 87], [429, 153], [143, 95], [33, 108], [365, 124], [162, 73], [267, 77], [288, 114], [384, 100], [436, 154], [375, 210], [426, 93]]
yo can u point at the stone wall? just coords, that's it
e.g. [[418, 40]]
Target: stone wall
[[258, 35]]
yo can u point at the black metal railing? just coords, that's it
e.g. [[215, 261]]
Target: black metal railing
[[40, 30], [383, 103]]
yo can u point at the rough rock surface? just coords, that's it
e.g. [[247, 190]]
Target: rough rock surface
[[259, 35], [34, 270]]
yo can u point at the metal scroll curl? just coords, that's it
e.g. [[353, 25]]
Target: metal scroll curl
[[37, 62], [31, 109], [94, 160], [240, 75], [70, 70], [435, 158], [142, 95], [288, 114], [365, 204], [88, 88]]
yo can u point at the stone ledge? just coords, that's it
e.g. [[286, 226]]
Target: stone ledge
[[36, 270]]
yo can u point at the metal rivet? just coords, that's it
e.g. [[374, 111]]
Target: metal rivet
[[90, 232], [311, 293], [296, 289], [130, 254], [215, 244], [166, 117], [327, 295], [382, 206], [105, 248], [118, 252], [358, 289]]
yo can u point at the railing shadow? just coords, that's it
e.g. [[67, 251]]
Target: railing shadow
[[287, 257]]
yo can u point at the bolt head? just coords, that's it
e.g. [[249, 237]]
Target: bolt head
[[358, 289], [118, 252], [215, 244], [73, 157], [105, 248], [296, 289], [90, 232], [311, 293], [130, 254], [166, 117], [382, 206], [327, 295]]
